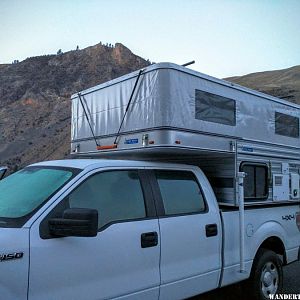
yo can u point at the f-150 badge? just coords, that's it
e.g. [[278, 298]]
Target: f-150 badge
[[11, 256]]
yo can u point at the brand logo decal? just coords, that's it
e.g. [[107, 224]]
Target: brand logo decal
[[131, 141], [11, 256], [247, 149]]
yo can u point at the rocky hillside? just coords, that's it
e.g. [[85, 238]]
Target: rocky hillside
[[35, 99], [284, 84]]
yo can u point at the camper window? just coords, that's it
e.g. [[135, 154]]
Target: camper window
[[286, 125], [256, 181], [214, 108]]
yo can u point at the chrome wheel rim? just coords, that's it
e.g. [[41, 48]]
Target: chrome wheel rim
[[269, 279]]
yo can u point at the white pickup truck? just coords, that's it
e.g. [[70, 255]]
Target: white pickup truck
[[113, 229]]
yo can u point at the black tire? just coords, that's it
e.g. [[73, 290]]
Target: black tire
[[266, 275]]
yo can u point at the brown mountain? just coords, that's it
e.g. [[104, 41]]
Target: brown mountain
[[283, 84], [35, 99]]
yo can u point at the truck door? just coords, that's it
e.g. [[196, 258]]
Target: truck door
[[121, 261], [190, 234]]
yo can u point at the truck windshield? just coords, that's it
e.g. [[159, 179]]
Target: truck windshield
[[22, 193]]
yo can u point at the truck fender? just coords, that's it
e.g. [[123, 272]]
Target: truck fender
[[270, 235]]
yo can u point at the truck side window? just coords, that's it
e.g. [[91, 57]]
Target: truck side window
[[180, 191], [117, 195], [255, 182]]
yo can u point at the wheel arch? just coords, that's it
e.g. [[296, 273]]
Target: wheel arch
[[275, 244]]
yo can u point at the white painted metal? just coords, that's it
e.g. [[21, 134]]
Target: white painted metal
[[14, 273], [110, 265], [189, 265], [265, 223], [92, 164]]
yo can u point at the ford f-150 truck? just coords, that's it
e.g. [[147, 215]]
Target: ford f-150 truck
[[121, 229]]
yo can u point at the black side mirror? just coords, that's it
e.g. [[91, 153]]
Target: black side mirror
[[75, 222], [2, 172]]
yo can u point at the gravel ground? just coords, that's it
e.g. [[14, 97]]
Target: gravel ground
[[291, 285]]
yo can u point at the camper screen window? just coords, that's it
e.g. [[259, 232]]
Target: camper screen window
[[214, 108], [255, 182], [286, 125]]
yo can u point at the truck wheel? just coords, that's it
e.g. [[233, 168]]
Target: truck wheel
[[266, 275]]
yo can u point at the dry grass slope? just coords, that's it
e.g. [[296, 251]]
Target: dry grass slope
[[284, 84]]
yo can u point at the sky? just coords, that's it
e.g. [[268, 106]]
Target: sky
[[224, 37]]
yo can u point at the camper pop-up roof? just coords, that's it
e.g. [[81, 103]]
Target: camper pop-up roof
[[174, 98]]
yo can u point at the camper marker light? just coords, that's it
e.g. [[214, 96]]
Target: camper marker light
[[77, 148], [145, 140], [151, 142], [177, 142], [107, 147]]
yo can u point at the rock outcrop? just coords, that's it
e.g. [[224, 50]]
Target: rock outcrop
[[35, 99]]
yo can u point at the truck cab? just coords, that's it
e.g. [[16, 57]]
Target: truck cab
[[102, 229]]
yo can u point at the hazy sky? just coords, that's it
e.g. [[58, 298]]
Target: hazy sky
[[224, 37]]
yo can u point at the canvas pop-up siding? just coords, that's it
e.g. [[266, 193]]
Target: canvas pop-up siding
[[169, 99]]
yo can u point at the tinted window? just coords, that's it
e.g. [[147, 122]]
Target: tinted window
[[23, 192], [286, 125], [117, 195], [214, 108], [255, 182], [180, 192]]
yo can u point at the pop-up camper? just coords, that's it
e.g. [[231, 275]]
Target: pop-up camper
[[170, 113]]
